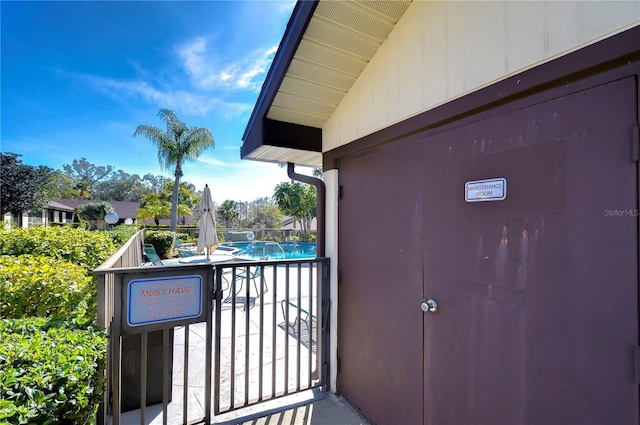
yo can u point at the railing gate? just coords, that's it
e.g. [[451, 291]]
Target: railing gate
[[230, 335], [269, 330]]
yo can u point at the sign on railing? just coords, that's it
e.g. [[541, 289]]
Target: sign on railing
[[163, 299], [155, 299]]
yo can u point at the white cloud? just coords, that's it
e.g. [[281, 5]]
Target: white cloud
[[211, 161], [191, 56], [180, 100], [207, 71], [286, 7], [257, 68]]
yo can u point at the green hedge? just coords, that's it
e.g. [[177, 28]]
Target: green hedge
[[50, 372], [43, 286], [162, 241], [184, 237], [78, 246], [122, 233]]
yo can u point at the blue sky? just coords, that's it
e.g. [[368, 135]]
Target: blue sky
[[79, 77]]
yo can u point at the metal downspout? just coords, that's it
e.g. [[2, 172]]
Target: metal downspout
[[322, 361], [319, 184]]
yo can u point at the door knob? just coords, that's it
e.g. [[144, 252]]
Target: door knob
[[430, 306]]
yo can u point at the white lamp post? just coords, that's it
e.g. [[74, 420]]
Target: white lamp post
[[111, 218]]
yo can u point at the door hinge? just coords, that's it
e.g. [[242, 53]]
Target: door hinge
[[340, 191], [338, 366], [635, 154], [637, 364]]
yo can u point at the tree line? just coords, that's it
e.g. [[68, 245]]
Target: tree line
[[30, 188]]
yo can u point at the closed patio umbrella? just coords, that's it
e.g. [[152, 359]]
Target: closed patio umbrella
[[207, 238]]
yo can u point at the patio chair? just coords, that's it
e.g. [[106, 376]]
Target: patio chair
[[255, 272], [299, 317], [152, 255], [184, 249]]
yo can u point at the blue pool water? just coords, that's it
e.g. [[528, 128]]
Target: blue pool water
[[273, 250]]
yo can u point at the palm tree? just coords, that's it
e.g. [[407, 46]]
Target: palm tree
[[229, 212], [155, 207], [180, 143], [82, 186]]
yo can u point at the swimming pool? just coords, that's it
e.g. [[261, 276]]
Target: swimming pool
[[273, 250]]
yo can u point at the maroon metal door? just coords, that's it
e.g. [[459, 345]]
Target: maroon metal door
[[380, 344], [537, 294]]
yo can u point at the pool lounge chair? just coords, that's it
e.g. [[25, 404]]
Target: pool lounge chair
[[152, 255], [300, 324], [184, 249]]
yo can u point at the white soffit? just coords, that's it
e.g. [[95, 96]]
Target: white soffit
[[340, 40], [285, 155]]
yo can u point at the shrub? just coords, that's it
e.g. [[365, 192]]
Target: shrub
[[122, 233], [78, 246], [50, 372], [183, 237], [162, 241], [43, 286], [184, 228]]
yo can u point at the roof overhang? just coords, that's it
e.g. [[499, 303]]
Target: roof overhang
[[53, 205], [325, 47]]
